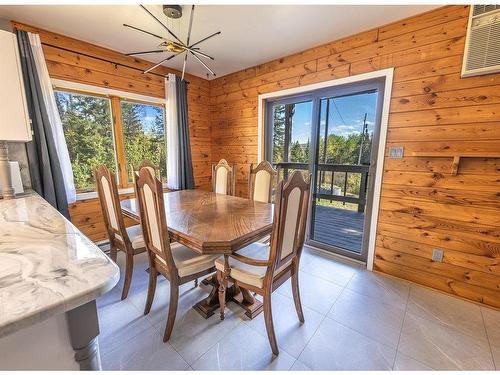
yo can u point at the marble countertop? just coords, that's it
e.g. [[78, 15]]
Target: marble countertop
[[47, 266]]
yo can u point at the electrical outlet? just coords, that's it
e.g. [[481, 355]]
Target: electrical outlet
[[437, 255], [396, 152]]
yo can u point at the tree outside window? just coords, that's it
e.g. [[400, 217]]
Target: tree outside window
[[88, 129]]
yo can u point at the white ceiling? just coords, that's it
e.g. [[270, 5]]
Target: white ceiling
[[251, 34]]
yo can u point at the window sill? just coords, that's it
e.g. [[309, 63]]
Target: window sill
[[93, 194]]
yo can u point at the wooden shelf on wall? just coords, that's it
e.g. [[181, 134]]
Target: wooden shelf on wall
[[456, 157]]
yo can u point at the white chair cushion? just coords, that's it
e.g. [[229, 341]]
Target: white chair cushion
[[252, 275], [188, 261], [135, 235]]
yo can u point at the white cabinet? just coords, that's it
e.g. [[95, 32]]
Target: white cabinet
[[14, 118]]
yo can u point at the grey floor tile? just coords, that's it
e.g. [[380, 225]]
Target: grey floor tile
[[120, 322], [387, 290], [443, 348], [299, 366], [193, 335], [369, 316], [291, 335], [492, 323], [495, 350], [243, 349], [452, 312], [188, 296], [315, 292], [337, 347], [336, 271], [405, 363], [145, 352]]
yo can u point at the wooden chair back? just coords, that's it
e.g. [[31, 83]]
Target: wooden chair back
[[107, 191], [223, 177], [153, 169], [260, 182], [290, 217], [149, 193]]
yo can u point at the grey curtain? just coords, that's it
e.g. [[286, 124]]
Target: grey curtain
[[45, 171], [186, 179]]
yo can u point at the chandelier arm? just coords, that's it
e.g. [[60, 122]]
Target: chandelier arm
[[171, 57], [190, 27], [200, 53], [184, 66], [205, 65], [206, 38], [155, 66], [144, 52], [161, 23], [143, 31]]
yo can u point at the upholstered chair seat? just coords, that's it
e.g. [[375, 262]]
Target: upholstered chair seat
[[135, 236], [187, 261], [246, 273]]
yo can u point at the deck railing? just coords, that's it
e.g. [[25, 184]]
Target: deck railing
[[326, 193]]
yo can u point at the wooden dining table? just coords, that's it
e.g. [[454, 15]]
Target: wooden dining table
[[212, 223]]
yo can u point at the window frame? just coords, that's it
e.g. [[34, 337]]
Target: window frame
[[115, 97]]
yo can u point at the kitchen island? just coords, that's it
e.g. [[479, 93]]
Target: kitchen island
[[50, 277]]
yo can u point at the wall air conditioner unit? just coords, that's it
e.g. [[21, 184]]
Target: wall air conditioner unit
[[482, 45]]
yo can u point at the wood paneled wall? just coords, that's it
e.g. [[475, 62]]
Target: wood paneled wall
[[432, 111], [78, 61]]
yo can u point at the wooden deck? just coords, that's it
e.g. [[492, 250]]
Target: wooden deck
[[339, 228]]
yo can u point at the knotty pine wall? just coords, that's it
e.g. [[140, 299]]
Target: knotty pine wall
[[432, 110], [78, 61]]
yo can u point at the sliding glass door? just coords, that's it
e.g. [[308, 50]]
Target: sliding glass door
[[332, 134]]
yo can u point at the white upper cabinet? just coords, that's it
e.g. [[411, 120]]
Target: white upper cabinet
[[14, 118]]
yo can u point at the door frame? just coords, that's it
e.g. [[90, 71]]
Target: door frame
[[387, 75]]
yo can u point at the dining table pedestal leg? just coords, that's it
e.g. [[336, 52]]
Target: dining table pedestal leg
[[242, 297]]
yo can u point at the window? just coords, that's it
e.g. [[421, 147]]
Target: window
[[143, 136], [88, 129], [116, 132], [291, 132]]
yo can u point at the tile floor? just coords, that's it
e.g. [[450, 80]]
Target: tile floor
[[354, 320]]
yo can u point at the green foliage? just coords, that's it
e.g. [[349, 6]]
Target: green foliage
[[345, 149], [299, 153], [278, 133], [144, 140], [88, 131]]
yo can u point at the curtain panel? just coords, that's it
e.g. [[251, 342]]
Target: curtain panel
[[54, 118], [179, 159], [45, 169], [172, 134], [186, 180]]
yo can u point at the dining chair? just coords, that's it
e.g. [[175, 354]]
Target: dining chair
[[153, 169], [223, 177], [260, 182], [262, 268], [178, 263], [129, 240]]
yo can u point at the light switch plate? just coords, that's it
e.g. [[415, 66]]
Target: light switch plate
[[437, 255], [396, 152]]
